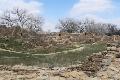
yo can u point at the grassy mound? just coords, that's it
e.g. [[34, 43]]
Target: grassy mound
[[62, 59]]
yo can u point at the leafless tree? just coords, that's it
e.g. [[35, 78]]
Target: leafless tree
[[68, 25], [112, 29], [34, 23], [21, 18], [94, 27]]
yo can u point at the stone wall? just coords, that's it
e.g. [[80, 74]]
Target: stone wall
[[84, 37]]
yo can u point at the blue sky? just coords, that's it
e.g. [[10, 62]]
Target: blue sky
[[52, 10]]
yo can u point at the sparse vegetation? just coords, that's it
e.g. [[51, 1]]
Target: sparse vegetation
[[74, 57], [62, 59]]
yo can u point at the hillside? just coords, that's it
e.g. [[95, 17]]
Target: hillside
[[59, 56]]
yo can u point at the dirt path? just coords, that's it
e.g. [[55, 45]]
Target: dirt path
[[9, 50], [65, 52]]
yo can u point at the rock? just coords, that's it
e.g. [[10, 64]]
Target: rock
[[110, 73], [114, 69], [95, 78], [106, 62], [116, 77], [118, 49], [1, 78], [111, 49], [101, 74], [117, 55], [74, 74]]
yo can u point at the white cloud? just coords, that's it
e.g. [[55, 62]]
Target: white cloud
[[33, 6], [94, 9], [91, 7]]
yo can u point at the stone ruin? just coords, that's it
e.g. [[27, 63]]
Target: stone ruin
[[99, 66], [68, 38], [100, 62]]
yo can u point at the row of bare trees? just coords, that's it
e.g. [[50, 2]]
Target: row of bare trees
[[22, 19], [71, 25]]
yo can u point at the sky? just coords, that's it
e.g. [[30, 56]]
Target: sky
[[52, 10]]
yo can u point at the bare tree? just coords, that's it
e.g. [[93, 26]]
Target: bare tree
[[88, 25], [112, 29], [21, 18], [94, 27], [68, 25], [7, 19], [34, 23]]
